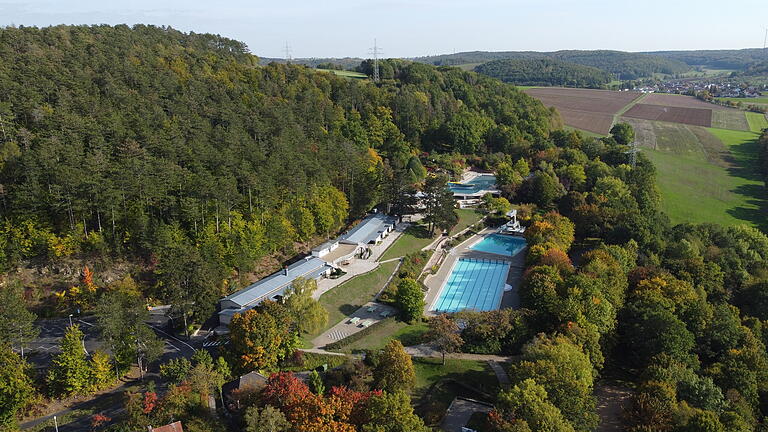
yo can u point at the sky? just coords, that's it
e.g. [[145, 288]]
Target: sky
[[411, 28]]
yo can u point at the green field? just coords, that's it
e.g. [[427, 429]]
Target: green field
[[747, 101], [407, 334], [414, 239], [700, 183], [757, 121], [349, 296], [345, 73], [729, 119], [473, 373]]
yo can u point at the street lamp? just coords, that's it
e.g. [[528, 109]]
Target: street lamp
[[70, 320]]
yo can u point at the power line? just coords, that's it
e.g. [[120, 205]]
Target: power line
[[375, 51], [287, 53]]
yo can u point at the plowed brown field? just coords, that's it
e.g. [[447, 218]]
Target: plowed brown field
[[681, 101], [691, 116], [586, 109]]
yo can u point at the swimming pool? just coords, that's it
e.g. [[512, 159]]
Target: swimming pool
[[473, 284], [500, 244], [477, 184]]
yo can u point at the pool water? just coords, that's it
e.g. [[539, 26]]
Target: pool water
[[500, 244], [481, 182], [473, 284]]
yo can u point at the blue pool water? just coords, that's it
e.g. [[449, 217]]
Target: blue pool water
[[473, 284], [500, 244], [481, 182]]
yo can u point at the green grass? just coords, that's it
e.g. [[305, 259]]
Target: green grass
[[414, 239], [352, 294], [407, 334], [729, 119], [695, 189], [746, 101], [757, 121], [473, 373], [467, 217], [345, 73]]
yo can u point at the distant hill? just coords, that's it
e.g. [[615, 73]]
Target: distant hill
[[717, 59], [626, 65], [545, 72]]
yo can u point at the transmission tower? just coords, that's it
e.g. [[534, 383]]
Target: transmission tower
[[287, 53], [375, 51], [632, 152], [765, 40]]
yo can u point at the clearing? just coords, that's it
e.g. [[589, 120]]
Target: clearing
[[757, 121], [351, 295], [704, 174]]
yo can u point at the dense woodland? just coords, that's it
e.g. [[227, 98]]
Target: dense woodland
[[544, 72], [177, 152], [626, 65], [717, 59]]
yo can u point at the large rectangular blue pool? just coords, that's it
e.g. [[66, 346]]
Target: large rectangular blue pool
[[500, 244], [473, 284]]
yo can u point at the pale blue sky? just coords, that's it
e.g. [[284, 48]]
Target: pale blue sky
[[406, 28]]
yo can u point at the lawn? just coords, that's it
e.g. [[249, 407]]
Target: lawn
[[694, 189], [467, 217], [757, 121], [352, 294], [414, 239], [407, 334], [437, 385]]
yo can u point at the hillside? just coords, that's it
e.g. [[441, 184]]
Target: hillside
[[716, 59], [544, 72], [626, 65], [143, 142]]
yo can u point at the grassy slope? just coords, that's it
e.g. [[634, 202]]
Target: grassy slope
[[729, 119], [747, 101], [407, 334], [349, 296], [345, 73], [412, 240], [695, 190], [473, 373], [467, 217], [757, 121]]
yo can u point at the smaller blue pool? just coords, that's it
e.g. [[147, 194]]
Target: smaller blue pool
[[500, 244], [477, 184], [473, 284]]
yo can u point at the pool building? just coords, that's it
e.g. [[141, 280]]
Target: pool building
[[470, 192], [323, 259]]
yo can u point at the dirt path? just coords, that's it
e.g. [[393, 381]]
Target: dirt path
[[611, 401]]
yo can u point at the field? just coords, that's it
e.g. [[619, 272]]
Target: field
[[763, 100], [589, 110], [682, 101], [730, 119], [691, 116], [757, 121], [351, 295], [704, 174], [345, 73]]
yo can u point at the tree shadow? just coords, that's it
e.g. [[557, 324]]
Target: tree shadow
[[419, 231]]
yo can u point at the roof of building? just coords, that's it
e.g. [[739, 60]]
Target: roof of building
[[173, 427], [310, 268], [369, 229], [326, 245], [253, 380]]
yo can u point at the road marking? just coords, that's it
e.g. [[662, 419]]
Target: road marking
[[337, 335], [172, 337], [86, 323]]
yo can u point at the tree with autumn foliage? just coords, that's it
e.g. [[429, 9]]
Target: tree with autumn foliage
[[444, 334], [261, 337], [394, 368], [552, 231], [70, 372]]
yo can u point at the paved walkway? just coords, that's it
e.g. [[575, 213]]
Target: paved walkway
[[357, 266], [427, 351], [501, 373]]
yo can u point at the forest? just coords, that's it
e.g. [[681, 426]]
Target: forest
[[180, 154], [544, 72]]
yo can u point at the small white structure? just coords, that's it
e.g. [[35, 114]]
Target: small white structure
[[512, 227]]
